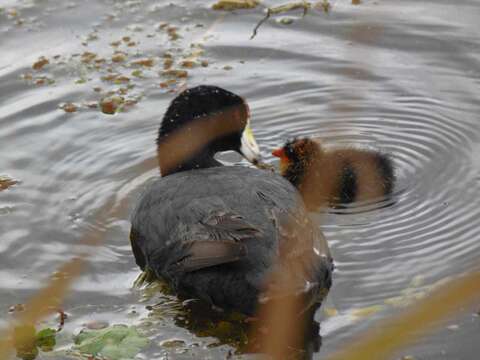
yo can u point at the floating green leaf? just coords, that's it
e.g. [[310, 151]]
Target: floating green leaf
[[118, 342], [45, 339]]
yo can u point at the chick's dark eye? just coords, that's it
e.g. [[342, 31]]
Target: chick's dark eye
[[289, 150]]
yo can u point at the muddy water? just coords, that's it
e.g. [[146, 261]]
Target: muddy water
[[398, 76]]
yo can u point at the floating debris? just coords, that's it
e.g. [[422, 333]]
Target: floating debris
[[116, 78], [87, 57], [121, 80], [92, 36], [62, 316], [324, 5], [356, 2], [96, 325], [12, 13], [188, 63], [109, 77], [230, 5], [162, 26], [91, 104], [20, 22], [147, 62], [137, 73], [304, 5], [110, 105], [167, 63], [27, 76], [168, 83], [122, 91], [38, 80], [173, 343], [43, 80], [130, 102], [175, 73], [69, 107], [40, 63], [119, 57], [6, 182], [286, 20], [172, 33], [121, 66]]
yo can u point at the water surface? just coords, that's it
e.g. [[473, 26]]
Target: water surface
[[402, 77]]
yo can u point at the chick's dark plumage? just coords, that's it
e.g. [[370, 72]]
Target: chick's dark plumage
[[335, 177]]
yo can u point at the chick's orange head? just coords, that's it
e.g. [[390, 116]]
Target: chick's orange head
[[284, 159]]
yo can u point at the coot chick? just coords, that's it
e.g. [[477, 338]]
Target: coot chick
[[216, 232], [334, 177]]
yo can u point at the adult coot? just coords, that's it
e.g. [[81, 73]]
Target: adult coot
[[338, 176], [217, 232]]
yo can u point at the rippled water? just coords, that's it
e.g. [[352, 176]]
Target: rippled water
[[398, 76]]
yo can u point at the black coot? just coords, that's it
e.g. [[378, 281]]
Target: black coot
[[216, 232]]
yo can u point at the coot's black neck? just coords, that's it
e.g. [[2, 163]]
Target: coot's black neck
[[202, 159]]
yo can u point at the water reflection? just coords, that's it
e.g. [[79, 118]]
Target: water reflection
[[226, 328]]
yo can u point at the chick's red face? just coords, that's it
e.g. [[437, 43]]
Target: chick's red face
[[281, 153]]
